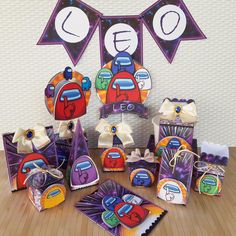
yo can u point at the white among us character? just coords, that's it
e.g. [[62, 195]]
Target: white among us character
[[130, 198], [121, 37], [169, 22], [171, 192], [72, 24], [143, 78]]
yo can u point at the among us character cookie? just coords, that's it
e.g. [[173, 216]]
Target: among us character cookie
[[103, 79], [109, 202], [113, 159], [83, 173], [130, 215], [171, 142], [209, 185], [110, 219], [143, 78], [172, 191], [53, 196], [67, 95], [130, 198], [142, 177]]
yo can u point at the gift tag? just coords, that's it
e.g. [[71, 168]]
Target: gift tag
[[67, 95]]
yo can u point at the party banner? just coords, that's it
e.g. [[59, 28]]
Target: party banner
[[170, 22], [121, 34], [71, 24]]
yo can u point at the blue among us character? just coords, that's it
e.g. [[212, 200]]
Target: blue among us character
[[103, 79], [174, 143], [86, 84], [142, 178], [143, 78], [109, 202], [122, 62], [68, 73], [130, 198]]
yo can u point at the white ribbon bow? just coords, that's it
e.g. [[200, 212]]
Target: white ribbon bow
[[67, 128], [136, 156], [25, 139], [107, 132], [170, 111]]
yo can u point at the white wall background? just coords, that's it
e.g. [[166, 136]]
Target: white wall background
[[204, 70]]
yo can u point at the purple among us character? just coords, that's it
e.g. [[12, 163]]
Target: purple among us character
[[83, 173], [123, 62]]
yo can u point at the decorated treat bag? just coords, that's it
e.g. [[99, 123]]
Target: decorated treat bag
[[24, 149], [64, 141], [81, 169], [175, 124], [114, 139], [175, 175], [45, 187], [142, 168], [209, 172]]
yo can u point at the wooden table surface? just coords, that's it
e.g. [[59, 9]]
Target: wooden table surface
[[203, 215]]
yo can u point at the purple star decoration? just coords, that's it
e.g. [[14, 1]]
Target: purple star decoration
[[71, 24], [170, 22]]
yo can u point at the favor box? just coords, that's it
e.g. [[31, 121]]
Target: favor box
[[19, 164], [175, 175], [46, 187]]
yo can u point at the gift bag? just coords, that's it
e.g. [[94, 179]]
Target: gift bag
[[142, 168], [46, 187], [24, 148], [175, 175], [209, 172]]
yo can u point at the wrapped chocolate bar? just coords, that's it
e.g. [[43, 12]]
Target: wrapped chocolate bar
[[64, 141], [45, 187], [175, 175], [174, 126], [209, 171], [142, 168], [25, 147]]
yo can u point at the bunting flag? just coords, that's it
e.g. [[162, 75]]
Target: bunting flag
[[71, 24], [121, 34], [170, 22]]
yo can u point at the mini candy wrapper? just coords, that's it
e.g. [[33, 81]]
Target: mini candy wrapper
[[45, 187], [113, 159], [25, 147], [64, 141], [142, 168], [81, 170], [209, 171], [119, 211], [175, 175]]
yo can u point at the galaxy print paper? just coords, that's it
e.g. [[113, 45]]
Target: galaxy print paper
[[97, 207]]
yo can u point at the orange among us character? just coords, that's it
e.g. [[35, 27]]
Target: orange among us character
[[123, 87]]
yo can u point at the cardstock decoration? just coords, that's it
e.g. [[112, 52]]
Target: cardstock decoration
[[71, 24], [175, 175], [108, 132], [142, 168], [120, 34], [19, 164], [81, 170], [45, 187], [113, 159], [123, 86], [119, 211], [67, 95], [170, 22]]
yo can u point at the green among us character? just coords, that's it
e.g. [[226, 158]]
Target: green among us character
[[210, 185], [103, 79], [110, 219]]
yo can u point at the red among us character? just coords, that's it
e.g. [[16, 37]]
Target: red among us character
[[27, 165], [129, 214], [70, 102], [123, 87], [114, 158]]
